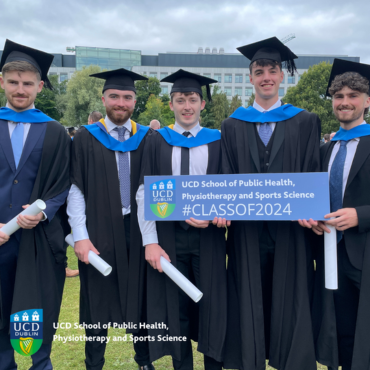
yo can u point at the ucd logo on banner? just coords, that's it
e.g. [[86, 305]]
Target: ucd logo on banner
[[26, 331], [162, 197]]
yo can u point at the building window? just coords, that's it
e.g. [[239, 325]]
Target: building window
[[208, 75], [283, 82], [218, 77], [281, 91], [238, 91], [228, 91], [238, 79], [246, 105], [63, 77], [291, 79], [163, 75], [247, 80], [164, 90], [228, 78], [153, 74], [248, 91]]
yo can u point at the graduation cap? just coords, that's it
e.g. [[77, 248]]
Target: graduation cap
[[14, 52], [119, 79], [71, 130], [341, 66], [184, 81], [272, 49]]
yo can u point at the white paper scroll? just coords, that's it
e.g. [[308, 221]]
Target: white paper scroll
[[34, 209], [178, 278], [331, 263], [94, 259]]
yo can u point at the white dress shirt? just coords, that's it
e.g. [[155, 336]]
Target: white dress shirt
[[198, 164], [351, 151], [260, 109], [76, 205]]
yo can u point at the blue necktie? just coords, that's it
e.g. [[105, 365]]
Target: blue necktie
[[123, 171], [336, 182], [17, 142], [265, 132]]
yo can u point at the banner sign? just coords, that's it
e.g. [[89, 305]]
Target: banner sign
[[274, 196]]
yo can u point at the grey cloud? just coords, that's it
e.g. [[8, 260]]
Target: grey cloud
[[321, 27]]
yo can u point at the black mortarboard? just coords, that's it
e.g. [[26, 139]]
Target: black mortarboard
[[71, 129], [184, 81], [119, 79], [272, 49], [341, 66], [40, 60]]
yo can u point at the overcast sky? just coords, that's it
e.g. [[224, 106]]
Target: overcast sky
[[338, 27]]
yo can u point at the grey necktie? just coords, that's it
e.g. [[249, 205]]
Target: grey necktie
[[123, 171]]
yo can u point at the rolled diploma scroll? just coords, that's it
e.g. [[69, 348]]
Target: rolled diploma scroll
[[32, 210], [94, 259], [178, 278], [331, 263]]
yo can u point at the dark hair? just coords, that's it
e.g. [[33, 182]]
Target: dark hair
[[354, 81], [186, 94], [264, 63], [95, 116], [327, 137], [20, 66]]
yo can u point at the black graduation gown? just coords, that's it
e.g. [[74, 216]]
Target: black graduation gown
[[103, 299], [209, 315], [295, 149], [40, 272], [356, 195]]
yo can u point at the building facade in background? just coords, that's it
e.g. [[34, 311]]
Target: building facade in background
[[229, 69]]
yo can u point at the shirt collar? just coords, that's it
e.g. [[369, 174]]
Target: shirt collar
[[111, 126], [194, 131], [260, 109]]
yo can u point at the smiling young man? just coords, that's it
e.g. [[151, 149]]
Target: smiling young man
[[106, 162], [269, 266], [341, 317], [34, 164], [195, 247]]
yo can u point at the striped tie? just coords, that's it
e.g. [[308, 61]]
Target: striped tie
[[123, 171]]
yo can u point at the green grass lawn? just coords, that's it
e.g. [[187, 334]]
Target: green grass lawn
[[70, 355]]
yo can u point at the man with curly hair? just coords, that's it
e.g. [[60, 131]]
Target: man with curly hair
[[341, 317]]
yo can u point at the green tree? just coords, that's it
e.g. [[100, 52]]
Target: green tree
[[206, 116], [310, 94], [47, 99], [3, 99], [220, 107], [235, 103], [143, 91], [83, 96], [251, 100], [156, 109]]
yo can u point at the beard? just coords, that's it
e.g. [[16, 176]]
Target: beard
[[349, 119], [119, 118]]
